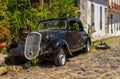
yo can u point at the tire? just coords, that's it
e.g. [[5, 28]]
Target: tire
[[60, 58], [87, 47]]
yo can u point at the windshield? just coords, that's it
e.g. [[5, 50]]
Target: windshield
[[52, 25]]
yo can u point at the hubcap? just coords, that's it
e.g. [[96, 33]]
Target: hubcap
[[62, 58], [88, 46]]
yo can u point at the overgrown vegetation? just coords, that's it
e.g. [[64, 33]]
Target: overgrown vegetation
[[62, 8], [23, 13], [4, 22], [4, 32]]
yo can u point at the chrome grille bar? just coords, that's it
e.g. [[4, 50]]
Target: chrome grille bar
[[32, 45]]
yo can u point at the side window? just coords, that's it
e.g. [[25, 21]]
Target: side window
[[80, 26], [74, 25]]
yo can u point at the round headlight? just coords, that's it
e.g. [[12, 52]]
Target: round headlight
[[15, 40], [46, 38]]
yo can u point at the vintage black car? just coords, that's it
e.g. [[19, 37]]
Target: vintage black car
[[55, 38]]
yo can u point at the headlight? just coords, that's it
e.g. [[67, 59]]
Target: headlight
[[15, 40], [46, 38]]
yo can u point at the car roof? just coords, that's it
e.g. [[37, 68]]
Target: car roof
[[60, 19]]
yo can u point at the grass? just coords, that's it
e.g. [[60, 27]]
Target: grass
[[3, 50], [108, 41]]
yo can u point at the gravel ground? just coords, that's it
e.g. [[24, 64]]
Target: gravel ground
[[100, 64]]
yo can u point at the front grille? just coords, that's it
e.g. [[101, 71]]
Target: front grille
[[32, 45]]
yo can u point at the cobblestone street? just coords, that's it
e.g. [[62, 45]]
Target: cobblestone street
[[98, 64]]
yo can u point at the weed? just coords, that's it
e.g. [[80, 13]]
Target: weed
[[33, 62]]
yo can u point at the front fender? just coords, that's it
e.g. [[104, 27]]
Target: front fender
[[56, 44]]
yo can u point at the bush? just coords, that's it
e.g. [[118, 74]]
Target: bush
[[4, 32], [62, 8]]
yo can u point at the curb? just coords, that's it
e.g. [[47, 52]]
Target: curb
[[103, 38]]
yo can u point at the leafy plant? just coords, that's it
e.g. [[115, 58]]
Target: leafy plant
[[4, 32], [33, 62], [62, 8], [22, 14], [4, 22], [91, 30]]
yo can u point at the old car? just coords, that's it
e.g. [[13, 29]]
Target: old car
[[54, 40]]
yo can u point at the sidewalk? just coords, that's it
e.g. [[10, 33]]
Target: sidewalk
[[103, 37]]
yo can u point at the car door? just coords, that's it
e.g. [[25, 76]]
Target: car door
[[74, 36]]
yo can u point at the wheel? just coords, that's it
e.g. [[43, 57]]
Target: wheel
[[60, 58], [87, 47]]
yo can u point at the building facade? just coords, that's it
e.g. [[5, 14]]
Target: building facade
[[114, 17], [95, 14]]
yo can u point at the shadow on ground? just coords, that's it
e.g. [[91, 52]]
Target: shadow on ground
[[42, 63]]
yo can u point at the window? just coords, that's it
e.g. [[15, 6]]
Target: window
[[75, 25], [100, 18], [92, 15], [105, 16], [53, 25], [80, 26]]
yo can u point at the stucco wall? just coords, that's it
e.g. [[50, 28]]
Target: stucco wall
[[99, 32], [97, 4], [83, 9]]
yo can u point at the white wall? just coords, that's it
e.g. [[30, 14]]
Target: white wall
[[99, 32], [97, 18], [88, 13], [116, 29]]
